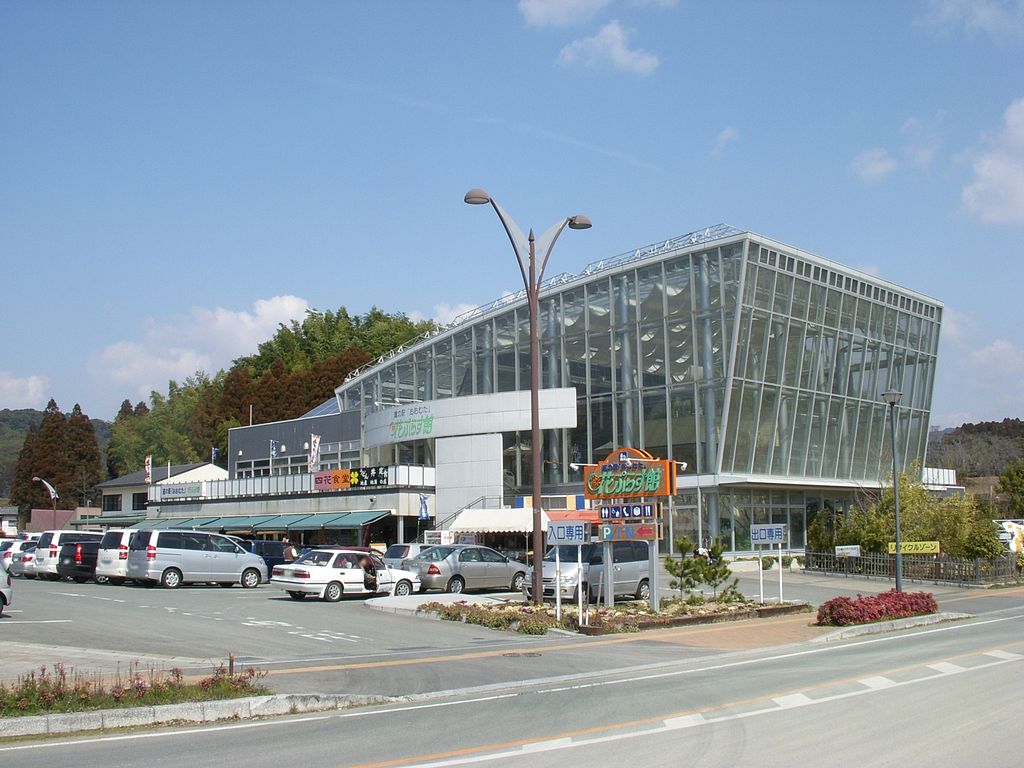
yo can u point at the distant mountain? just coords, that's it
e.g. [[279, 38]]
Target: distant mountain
[[14, 425], [977, 450]]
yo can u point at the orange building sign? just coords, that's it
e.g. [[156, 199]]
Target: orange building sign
[[629, 473]]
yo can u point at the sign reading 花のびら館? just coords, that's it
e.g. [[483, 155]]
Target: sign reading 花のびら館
[[629, 473]]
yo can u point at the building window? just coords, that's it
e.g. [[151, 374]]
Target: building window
[[111, 502], [138, 501]]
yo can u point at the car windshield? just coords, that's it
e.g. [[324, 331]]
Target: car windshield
[[315, 557], [435, 553], [397, 550], [568, 552]]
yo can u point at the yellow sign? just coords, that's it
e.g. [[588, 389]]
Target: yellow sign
[[915, 547]]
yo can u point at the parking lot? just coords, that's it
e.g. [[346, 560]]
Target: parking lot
[[199, 625]]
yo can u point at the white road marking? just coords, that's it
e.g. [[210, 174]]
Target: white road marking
[[946, 668], [877, 683], [793, 700], [999, 654]]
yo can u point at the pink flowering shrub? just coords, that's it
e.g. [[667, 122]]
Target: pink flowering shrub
[[842, 611]]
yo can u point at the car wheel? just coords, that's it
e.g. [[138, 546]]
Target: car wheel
[[517, 582], [643, 592], [403, 588], [456, 585], [102, 580], [333, 592], [586, 592], [171, 578], [297, 595], [250, 578]]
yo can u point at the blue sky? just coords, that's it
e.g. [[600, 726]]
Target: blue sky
[[177, 178]]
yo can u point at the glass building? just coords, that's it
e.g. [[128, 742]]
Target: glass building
[[757, 364]]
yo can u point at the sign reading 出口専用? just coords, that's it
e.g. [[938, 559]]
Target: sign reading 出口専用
[[915, 547], [343, 479], [629, 473], [769, 533]]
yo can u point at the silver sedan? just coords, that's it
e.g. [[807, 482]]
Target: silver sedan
[[465, 566]]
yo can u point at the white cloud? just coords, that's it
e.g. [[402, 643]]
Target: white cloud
[[559, 13], [445, 313], [204, 340], [997, 192], [873, 165], [609, 49], [27, 392], [999, 19], [725, 137]]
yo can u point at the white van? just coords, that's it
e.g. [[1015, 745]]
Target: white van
[[630, 571], [112, 560], [173, 557], [48, 549]]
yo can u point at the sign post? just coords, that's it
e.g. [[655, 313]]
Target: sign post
[[769, 533], [574, 533]]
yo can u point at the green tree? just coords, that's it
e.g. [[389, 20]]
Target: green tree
[[686, 571], [1011, 485], [83, 456]]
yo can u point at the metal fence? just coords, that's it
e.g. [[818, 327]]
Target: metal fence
[[933, 568]]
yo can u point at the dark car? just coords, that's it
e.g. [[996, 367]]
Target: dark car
[[272, 552], [77, 561]]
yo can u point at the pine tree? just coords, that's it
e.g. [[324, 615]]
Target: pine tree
[[83, 456]]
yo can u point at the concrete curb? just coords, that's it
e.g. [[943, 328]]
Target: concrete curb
[[191, 712], [880, 627]]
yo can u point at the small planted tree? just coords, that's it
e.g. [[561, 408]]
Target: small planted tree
[[715, 572], [686, 572]]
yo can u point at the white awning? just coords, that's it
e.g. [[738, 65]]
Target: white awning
[[517, 520]]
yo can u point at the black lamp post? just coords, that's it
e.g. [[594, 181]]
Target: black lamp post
[[532, 279], [892, 398]]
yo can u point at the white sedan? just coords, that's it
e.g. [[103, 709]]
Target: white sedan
[[331, 572]]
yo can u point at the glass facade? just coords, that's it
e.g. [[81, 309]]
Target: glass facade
[[757, 364]]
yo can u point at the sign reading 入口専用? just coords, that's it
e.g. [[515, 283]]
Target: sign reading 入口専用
[[769, 533], [573, 532]]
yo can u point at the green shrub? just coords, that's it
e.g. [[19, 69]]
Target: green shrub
[[767, 563]]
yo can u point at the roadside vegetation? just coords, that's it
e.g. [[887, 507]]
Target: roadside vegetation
[[843, 611], [689, 574], [57, 689]]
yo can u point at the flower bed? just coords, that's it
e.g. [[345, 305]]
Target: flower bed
[[632, 616], [842, 611]]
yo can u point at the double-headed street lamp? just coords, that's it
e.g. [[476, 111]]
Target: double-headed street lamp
[[892, 398], [533, 276]]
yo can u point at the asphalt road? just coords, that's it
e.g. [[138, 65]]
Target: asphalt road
[[943, 695]]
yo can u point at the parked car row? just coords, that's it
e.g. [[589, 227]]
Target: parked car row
[[171, 557]]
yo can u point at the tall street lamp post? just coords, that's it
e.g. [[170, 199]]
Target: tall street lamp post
[[892, 397], [533, 276]]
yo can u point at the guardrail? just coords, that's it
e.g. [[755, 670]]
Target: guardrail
[[934, 568]]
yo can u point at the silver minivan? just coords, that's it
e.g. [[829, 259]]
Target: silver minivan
[[173, 557], [112, 560], [630, 571]]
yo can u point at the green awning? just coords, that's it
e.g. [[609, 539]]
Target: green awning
[[173, 522], [109, 520], [352, 520], [283, 523], [236, 522]]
